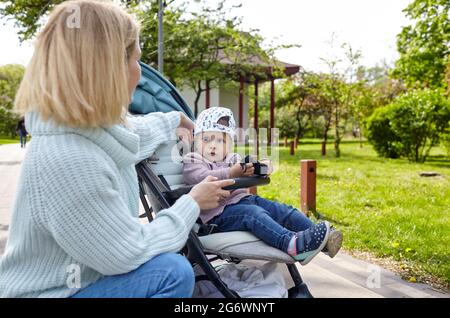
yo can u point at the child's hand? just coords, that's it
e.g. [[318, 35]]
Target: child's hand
[[249, 170], [236, 170]]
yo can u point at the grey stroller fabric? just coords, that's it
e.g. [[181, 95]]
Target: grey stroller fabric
[[264, 281], [242, 245]]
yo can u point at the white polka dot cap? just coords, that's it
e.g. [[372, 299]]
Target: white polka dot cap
[[219, 119]]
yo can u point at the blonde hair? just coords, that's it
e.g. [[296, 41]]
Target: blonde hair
[[78, 75]]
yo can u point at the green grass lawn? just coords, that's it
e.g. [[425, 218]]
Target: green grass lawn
[[383, 206], [8, 140]]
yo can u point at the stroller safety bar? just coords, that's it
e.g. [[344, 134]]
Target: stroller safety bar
[[245, 182]]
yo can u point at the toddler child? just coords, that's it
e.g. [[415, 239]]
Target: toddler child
[[279, 225]]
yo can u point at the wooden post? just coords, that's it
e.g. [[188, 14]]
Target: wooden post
[[285, 141], [292, 152], [308, 186]]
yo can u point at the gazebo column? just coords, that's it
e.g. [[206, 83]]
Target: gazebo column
[[207, 95], [241, 110], [255, 121], [253, 190], [272, 108], [241, 103]]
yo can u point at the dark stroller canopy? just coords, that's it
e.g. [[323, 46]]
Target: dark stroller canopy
[[154, 93]]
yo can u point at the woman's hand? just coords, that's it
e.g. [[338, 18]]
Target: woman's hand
[[185, 129], [236, 170], [208, 192]]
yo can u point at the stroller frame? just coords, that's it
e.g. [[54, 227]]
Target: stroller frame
[[152, 189], [154, 93]]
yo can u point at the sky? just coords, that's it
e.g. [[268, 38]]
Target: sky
[[367, 25]]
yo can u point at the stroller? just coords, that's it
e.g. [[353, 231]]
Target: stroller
[[161, 184]]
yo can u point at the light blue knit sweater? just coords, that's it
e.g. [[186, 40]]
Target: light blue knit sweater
[[77, 204]]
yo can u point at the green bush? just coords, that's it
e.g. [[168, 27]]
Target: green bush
[[411, 125], [286, 121], [380, 134], [10, 77]]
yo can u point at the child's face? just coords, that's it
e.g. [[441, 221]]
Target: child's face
[[213, 146]]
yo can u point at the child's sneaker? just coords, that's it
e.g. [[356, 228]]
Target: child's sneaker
[[334, 243], [310, 242]]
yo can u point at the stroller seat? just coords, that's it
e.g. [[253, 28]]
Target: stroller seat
[[242, 245], [167, 164]]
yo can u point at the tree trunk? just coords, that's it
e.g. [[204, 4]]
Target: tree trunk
[[360, 137], [324, 147], [299, 126], [337, 151], [325, 138], [198, 93], [337, 136], [416, 153]]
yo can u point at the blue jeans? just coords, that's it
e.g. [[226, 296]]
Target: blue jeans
[[167, 275], [274, 223], [23, 139]]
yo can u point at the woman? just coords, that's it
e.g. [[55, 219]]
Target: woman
[[75, 231]]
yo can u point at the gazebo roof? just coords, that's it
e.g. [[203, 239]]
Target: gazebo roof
[[254, 66]]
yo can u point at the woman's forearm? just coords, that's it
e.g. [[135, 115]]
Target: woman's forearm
[[153, 130]]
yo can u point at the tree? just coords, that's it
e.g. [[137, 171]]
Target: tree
[[385, 88], [28, 15], [361, 105], [176, 36], [354, 85], [334, 90], [286, 122], [374, 88], [424, 46], [447, 76], [339, 86], [445, 139], [308, 99], [10, 77], [297, 92], [204, 49], [196, 44], [411, 125]]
